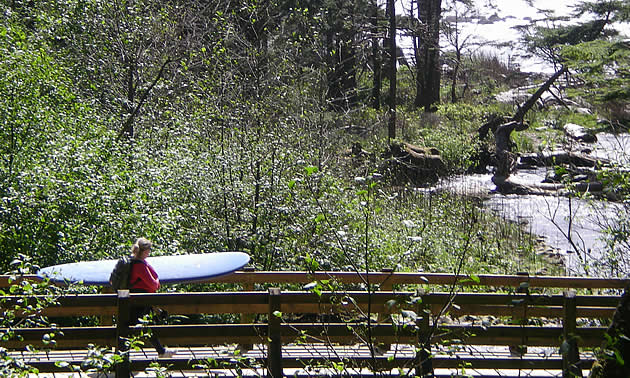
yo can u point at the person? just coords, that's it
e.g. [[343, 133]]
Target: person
[[144, 279]]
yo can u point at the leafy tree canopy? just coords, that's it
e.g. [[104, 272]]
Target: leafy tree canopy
[[547, 37]]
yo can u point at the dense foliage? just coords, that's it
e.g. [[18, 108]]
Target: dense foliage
[[197, 126], [223, 126], [246, 125]]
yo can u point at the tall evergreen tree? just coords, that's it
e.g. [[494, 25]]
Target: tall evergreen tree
[[591, 49], [546, 40], [376, 55], [596, 51], [427, 53], [391, 12]]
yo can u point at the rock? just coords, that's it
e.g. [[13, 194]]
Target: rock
[[579, 133]]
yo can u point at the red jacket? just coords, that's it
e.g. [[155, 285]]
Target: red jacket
[[143, 277]]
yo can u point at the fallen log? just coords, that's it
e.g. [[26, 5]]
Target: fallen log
[[551, 158], [507, 186], [503, 127]]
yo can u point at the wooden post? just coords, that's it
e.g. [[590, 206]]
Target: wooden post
[[247, 318], [569, 349], [248, 285], [123, 369], [424, 363], [519, 315], [274, 348], [386, 285]]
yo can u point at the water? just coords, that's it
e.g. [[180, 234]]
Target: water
[[575, 227], [572, 226], [613, 147]]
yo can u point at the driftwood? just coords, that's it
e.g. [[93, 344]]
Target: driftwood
[[506, 161], [523, 109], [502, 127], [506, 186], [409, 163], [546, 159]]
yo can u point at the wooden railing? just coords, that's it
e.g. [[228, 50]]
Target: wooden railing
[[522, 319], [390, 277]]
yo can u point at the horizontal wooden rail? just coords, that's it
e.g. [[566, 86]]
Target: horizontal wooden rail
[[216, 334], [406, 278], [399, 278], [537, 305]]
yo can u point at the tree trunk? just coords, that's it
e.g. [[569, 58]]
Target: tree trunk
[[132, 109], [340, 40], [520, 113], [428, 55], [376, 58], [391, 128], [458, 56]]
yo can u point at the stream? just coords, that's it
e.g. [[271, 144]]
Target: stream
[[575, 228]]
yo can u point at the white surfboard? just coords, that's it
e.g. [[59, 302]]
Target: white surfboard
[[170, 269]]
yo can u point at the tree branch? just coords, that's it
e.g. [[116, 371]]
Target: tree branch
[[127, 129]]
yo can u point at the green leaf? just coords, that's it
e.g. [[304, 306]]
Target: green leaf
[[310, 170], [619, 358]]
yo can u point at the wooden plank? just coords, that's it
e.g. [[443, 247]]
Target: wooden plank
[[300, 356], [67, 337], [76, 337], [304, 302]]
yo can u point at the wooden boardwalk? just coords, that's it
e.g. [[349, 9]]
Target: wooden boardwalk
[[253, 359], [471, 333]]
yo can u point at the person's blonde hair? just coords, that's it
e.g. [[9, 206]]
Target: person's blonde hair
[[141, 245]]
